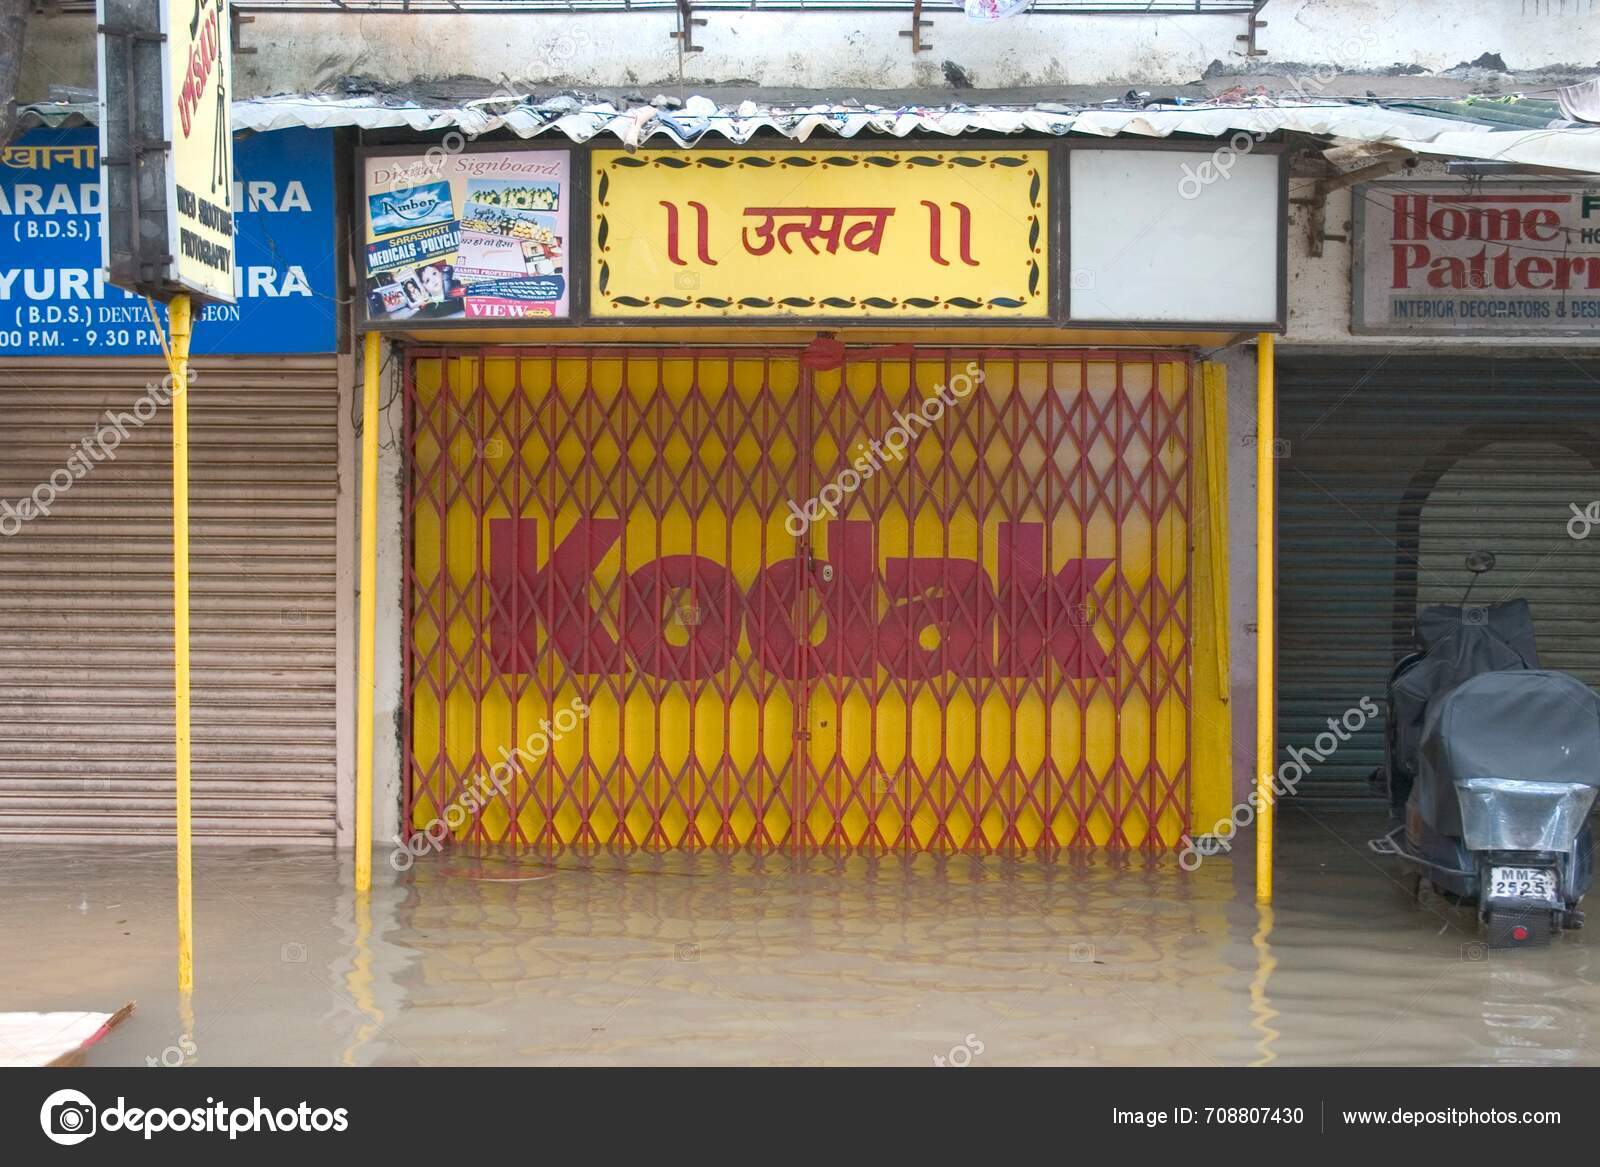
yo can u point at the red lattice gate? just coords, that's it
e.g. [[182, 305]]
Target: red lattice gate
[[780, 599]]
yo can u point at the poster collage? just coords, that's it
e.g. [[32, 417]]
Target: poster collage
[[472, 235]]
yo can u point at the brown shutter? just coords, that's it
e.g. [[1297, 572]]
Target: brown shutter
[[86, 722]]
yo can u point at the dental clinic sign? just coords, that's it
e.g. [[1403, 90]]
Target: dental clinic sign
[[1487, 258], [55, 299]]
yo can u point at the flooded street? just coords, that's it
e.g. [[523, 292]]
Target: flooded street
[[681, 960]]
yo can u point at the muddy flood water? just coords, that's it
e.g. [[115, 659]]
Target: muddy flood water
[[700, 960]]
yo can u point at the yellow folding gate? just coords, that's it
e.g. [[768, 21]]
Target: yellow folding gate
[[798, 599]]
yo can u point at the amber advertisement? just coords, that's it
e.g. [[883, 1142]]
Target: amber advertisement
[[799, 234]]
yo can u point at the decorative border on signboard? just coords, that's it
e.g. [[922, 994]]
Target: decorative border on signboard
[[924, 307]]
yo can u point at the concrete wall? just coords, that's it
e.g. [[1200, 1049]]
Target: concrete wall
[[866, 50], [1241, 365], [387, 759]]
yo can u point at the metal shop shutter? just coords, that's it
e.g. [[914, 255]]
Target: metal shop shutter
[[86, 730], [986, 648], [1392, 470]]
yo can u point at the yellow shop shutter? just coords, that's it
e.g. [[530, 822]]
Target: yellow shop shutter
[[86, 720]]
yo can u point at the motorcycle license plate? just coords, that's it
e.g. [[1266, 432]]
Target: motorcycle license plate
[[1523, 883]]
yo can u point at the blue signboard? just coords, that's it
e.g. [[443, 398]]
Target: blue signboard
[[54, 300]]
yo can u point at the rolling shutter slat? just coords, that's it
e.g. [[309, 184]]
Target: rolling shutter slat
[[86, 627], [1394, 469]]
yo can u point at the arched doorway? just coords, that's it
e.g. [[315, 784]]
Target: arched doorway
[[1513, 496]]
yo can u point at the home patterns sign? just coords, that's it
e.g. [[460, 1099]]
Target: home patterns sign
[[801, 234]]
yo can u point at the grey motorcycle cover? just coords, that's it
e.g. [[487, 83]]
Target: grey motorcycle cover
[[1532, 725], [1510, 623], [1457, 643]]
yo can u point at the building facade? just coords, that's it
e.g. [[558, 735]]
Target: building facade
[[870, 470]]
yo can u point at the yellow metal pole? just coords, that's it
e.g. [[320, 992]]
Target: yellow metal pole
[[1266, 610], [369, 610], [179, 312]]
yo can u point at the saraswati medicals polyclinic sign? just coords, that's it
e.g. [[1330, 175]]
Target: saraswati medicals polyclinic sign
[[479, 235], [54, 299]]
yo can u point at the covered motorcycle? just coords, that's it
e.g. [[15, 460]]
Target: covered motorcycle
[[1493, 765], [1453, 645]]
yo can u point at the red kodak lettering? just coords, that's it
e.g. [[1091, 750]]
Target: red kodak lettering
[[850, 600], [949, 597], [1043, 612], [694, 592], [523, 596], [872, 621]]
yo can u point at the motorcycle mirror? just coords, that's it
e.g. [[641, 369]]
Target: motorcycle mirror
[[1479, 562]]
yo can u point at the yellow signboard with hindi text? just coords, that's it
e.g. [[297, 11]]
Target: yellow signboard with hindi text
[[801, 234]]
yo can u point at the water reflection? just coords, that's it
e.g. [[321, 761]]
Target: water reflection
[[1261, 1009], [358, 979], [1091, 959]]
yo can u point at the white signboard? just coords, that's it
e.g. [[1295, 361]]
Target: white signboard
[[1175, 237], [196, 86], [1485, 258]]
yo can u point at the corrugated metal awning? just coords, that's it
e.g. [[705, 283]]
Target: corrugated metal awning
[[1561, 144]]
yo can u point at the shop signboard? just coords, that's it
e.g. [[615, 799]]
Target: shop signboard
[[1486, 258], [166, 145], [1175, 237], [200, 207], [912, 235], [55, 299], [916, 235], [479, 236]]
